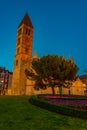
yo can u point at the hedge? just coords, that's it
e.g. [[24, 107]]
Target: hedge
[[62, 109]]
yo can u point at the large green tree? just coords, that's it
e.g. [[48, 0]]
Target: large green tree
[[52, 71]]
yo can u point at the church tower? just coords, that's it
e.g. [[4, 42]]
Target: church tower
[[23, 55]]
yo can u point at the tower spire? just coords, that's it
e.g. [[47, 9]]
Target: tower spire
[[26, 20], [35, 56], [23, 55]]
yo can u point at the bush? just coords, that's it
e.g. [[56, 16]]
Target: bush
[[62, 109]]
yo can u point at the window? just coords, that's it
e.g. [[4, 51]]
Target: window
[[19, 31], [26, 50], [17, 50], [27, 31], [16, 62], [18, 42]]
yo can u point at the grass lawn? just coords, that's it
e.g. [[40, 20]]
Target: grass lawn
[[16, 113]]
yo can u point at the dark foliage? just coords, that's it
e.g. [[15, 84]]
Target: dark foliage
[[62, 109], [52, 71]]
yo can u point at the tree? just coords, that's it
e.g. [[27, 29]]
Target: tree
[[52, 71]]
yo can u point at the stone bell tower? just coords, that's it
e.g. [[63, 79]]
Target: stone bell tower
[[23, 55]]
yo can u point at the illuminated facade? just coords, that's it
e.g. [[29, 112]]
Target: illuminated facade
[[23, 55], [5, 80], [22, 60]]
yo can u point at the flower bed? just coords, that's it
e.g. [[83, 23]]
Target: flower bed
[[58, 108], [70, 101], [52, 97]]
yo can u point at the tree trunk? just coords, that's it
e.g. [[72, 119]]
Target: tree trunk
[[53, 90], [60, 90]]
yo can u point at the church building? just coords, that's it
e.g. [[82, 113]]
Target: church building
[[22, 60], [23, 55]]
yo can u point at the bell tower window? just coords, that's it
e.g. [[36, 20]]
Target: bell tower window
[[18, 41], [16, 62], [18, 50], [27, 31], [26, 50], [19, 31]]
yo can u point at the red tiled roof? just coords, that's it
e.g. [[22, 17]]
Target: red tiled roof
[[26, 20]]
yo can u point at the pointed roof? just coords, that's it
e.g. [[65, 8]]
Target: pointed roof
[[26, 20], [35, 55]]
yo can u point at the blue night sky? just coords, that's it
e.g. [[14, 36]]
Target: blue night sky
[[60, 27]]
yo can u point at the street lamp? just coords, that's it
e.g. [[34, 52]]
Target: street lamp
[[2, 81]]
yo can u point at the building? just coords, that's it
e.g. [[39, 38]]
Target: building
[[22, 60], [23, 57], [5, 81], [83, 78]]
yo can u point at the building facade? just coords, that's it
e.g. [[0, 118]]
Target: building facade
[[22, 60], [5, 81], [23, 55]]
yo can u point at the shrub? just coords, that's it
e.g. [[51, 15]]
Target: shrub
[[62, 109]]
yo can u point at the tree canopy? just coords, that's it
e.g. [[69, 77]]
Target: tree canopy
[[52, 71]]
